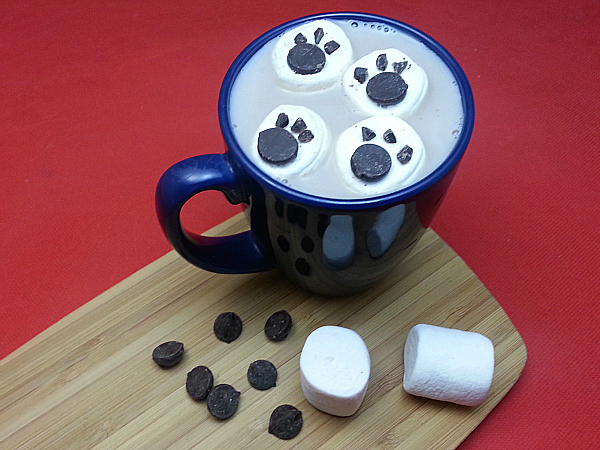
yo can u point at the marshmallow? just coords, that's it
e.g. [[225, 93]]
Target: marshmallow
[[385, 82], [299, 126], [402, 170], [449, 365], [311, 56], [334, 370]]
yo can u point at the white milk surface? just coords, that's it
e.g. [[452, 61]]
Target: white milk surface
[[256, 92]]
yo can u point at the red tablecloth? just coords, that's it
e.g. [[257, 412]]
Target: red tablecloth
[[98, 98]]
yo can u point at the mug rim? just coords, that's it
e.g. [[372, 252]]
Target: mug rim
[[341, 203]]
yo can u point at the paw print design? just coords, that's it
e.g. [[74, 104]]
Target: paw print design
[[379, 155], [385, 82], [290, 141], [311, 56]]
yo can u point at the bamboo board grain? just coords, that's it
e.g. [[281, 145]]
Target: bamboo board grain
[[89, 380]]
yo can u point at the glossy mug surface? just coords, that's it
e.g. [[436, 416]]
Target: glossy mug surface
[[334, 244]]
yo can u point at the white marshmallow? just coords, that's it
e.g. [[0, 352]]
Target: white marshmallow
[[400, 175], [413, 75], [334, 370], [449, 365], [335, 63], [309, 153]]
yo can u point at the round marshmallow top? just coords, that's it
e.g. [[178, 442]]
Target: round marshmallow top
[[327, 40], [355, 85], [310, 152], [400, 173]]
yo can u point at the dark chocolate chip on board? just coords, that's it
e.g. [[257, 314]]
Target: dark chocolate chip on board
[[223, 401], [199, 382], [306, 136], [285, 422], [282, 120], [277, 146], [389, 137], [168, 354], [331, 47], [381, 62], [370, 162], [262, 375], [306, 59], [399, 66], [405, 154], [299, 125], [278, 325], [319, 35], [386, 88], [367, 134], [227, 327], [300, 39]]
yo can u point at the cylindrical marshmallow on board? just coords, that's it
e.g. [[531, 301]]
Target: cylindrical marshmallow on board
[[447, 364]]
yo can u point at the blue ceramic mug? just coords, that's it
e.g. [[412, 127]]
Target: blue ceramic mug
[[330, 246]]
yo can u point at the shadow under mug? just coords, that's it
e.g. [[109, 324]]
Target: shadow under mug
[[326, 245]]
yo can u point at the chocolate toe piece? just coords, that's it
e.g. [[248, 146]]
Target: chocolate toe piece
[[262, 375], [389, 137], [331, 47], [278, 325], [405, 154], [306, 59], [223, 401], [399, 66], [367, 134], [282, 120], [381, 62], [277, 146], [300, 39], [370, 162], [227, 327], [387, 88], [319, 33], [168, 354], [306, 136], [199, 382], [360, 74], [299, 125], [285, 422]]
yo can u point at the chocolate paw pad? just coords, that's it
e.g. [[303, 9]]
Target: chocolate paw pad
[[385, 82]]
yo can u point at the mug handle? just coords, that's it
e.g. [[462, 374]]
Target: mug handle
[[234, 254]]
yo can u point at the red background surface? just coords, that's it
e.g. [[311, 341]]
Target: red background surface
[[98, 98]]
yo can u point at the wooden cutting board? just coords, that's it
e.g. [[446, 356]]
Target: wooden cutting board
[[89, 381]]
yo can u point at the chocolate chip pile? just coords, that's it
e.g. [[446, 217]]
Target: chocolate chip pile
[[222, 400]]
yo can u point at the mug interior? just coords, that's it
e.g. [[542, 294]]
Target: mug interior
[[334, 203]]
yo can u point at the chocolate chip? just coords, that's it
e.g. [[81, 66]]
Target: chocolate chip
[[302, 266], [331, 47], [370, 162], [381, 62], [405, 154], [278, 325], [306, 136], [199, 382], [168, 354], [306, 59], [360, 74], [307, 244], [319, 35], [277, 146], [299, 125], [399, 66], [389, 137], [300, 39], [223, 401], [262, 375], [387, 88], [285, 422], [283, 243], [282, 120], [227, 327], [367, 134]]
